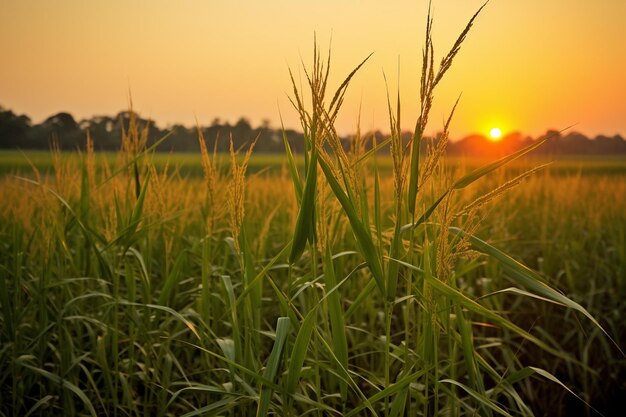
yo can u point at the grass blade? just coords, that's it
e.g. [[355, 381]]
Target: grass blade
[[482, 171], [361, 232], [282, 329], [457, 297], [304, 221], [58, 380], [482, 399], [337, 322], [299, 350], [530, 279]]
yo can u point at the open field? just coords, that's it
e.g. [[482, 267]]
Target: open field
[[343, 283], [190, 164], [141, 305]]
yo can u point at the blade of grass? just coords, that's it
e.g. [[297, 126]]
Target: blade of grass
[[135, 158], [337, 322], [282, 330], [22, 361], [361, 232], [467, 179], [482, 399], [458, 297], [530, 279], [304, 220], [299, 351], [392, 389], [291, 163]]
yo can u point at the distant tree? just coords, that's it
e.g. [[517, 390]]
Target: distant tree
[[103, 132], [17, 131], [576, 143], [242, 133], [13, 129], [62, 129], [181, 139], [62, 122], [554, 144], [610, 145]]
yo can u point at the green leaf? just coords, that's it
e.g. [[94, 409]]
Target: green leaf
[[172, 280], [482, 171], [337, 323], [392, 389], [482, 399], [282, 329], [361, 232], [529, 279], [415, 168], [215, 408], [531, 370], [305, 214], [168, 310], [299, 350], [65, 384], [371, 152], [291, 163], [135, 158], [363, 295], [455, 296]]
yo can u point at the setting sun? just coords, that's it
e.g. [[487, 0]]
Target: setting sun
[[495, 133]]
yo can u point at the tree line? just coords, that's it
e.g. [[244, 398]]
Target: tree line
[[62, 130]]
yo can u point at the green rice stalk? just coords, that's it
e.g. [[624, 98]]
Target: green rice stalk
[[282, 329], [337, 322]]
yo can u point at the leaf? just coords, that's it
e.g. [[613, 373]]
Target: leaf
[[172, 279], [530, 370], [299, 350], [337, 322], [529, 279], [305, 214], [291, 163], [482, 171], [214, 408], [65, 384], [168, 310], [363, 295], [392, 389], [38, 404], [282, 329], [458, 297], [136, 157], [482, 399], [362, 233], [371, 152]]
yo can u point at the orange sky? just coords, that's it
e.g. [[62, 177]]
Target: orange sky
[[528, 65]]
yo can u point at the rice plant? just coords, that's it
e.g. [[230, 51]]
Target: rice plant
[[336, 287]]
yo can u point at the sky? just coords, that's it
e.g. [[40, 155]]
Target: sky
[[527, 65]]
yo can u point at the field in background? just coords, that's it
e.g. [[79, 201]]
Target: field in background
[[190, 164], [147, 325]]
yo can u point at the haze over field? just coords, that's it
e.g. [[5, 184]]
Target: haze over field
[[526, 66]]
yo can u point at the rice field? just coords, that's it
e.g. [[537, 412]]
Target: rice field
[[338, 282], [114, 302], [166, 294]]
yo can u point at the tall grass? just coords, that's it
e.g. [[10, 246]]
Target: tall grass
[[334, 289]]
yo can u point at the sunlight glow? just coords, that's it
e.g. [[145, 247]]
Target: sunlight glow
[[495, 133]]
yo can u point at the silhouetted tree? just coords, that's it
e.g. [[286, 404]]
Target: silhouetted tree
[[17, 131], [62, 129], [13, 129]]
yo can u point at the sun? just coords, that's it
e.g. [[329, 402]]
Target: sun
[[495, 133]]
